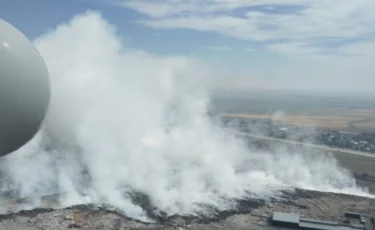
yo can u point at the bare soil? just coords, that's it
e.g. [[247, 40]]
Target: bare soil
[[356, 119], [309, 204]]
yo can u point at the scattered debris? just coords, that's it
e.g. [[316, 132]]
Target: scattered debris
[[78, 218], [74, 226], [317, 205]]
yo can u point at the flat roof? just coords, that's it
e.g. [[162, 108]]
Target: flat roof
[[317, 226], [285, 217], [353, 213], [333, 223], [343, 228], [358, 226]]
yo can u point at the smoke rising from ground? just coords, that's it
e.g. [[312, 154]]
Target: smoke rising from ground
[[124, 120]]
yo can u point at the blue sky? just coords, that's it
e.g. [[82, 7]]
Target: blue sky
[[252, 41], [36, 17]]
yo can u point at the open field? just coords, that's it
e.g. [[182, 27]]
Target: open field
[[343, 113], [365, 124], [352, 123], [334, 122], [354, 161]]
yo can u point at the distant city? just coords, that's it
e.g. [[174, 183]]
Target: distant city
[[364, 142]]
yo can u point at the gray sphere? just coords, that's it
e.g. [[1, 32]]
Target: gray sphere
[[24, 89]]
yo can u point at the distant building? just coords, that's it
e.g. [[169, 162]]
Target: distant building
[[357, 216], [290, 220], [330, 223], [353, 215], [321, 226]]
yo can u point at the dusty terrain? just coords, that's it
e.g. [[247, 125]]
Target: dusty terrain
[[356, 163], [304, 121], [350, 120], [249, 214]]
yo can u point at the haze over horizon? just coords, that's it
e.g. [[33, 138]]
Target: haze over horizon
[[312, 46], [124, 120]]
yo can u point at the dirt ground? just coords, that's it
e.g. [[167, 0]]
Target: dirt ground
[[250, 214], [364, 124], [305, 121], [316, 205], [351, 120], [356, 163]]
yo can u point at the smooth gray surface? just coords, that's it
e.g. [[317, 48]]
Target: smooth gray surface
[[285, 217], [307, 225], [307, 220], [24, 89]]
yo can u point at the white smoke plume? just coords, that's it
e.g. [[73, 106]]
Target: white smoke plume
[[129, 120]]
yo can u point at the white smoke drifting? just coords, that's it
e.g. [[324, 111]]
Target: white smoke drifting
[[137, 122]]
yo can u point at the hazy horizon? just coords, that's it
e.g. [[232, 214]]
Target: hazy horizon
[[274, 92]]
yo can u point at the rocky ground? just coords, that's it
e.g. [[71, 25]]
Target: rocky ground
[[251, 214]]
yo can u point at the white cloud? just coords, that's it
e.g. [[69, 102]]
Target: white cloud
[[219, 48], [324, 45], [338, 19], [366, 49], [294, 48], [167, 8]]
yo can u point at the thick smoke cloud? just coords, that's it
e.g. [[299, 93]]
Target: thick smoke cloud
[[124, 120]]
